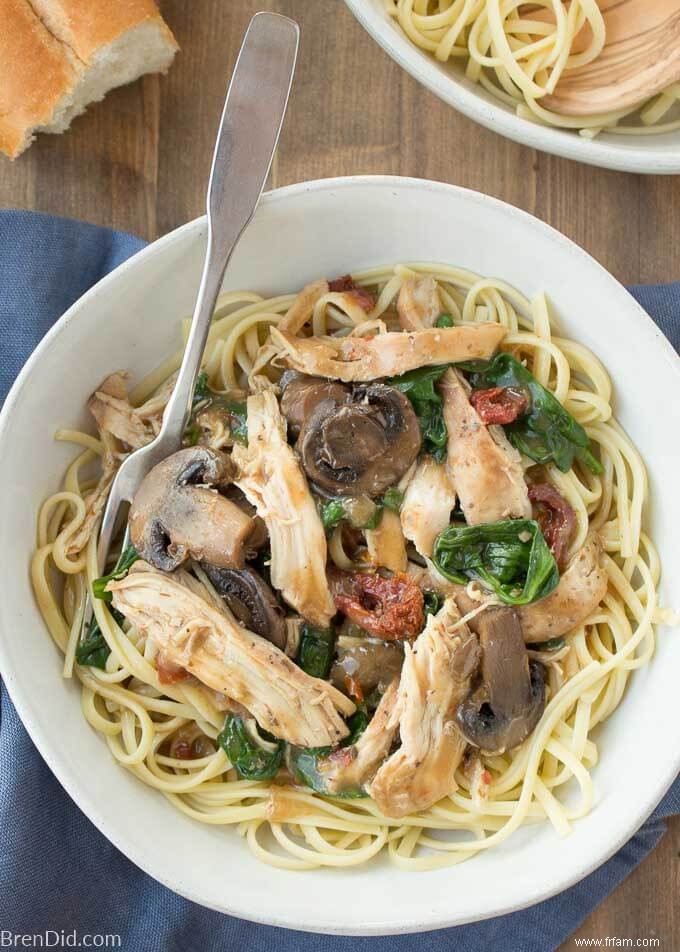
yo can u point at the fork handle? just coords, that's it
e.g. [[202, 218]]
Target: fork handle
[[249, 131]]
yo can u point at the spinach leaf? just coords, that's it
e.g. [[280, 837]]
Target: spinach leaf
[[418, 385], [307, 763], [253, 757], [393, 499], [316, 651], [554, 644], [362, 513], [433, 602], [444, 320], [93, 650], [127, 558], [510, 557], [201, 390], [547, 432], [332, 513]]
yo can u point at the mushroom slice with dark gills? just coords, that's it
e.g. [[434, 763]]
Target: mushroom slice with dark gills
[[179, 512], [364, 446], [250, 600], [301, 395], [434, 680], [507, 703]]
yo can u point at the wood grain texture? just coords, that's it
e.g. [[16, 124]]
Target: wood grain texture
[[139, 161]]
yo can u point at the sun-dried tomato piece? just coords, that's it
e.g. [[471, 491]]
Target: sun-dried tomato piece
[[499, 404], [555, 517], [389, 608], [346, 285]]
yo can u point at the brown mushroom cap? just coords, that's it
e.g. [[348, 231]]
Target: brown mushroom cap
[[251, 600], [178, 512], [364, 446], [508, 701], [301, 396]]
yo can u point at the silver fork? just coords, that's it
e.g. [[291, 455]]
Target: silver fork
[[249, 131]]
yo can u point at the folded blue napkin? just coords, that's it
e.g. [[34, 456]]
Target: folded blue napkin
[[57, 872]]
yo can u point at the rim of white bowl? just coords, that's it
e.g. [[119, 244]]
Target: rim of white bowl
[[642, 158], [124, 839]]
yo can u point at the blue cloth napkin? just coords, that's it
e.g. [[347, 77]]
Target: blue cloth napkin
[[57, 872]]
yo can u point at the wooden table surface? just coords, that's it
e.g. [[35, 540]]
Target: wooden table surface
[[139, 162]]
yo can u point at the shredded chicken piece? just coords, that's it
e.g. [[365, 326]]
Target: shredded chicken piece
[[385, 355], [213, 647], [292, 322], [96, 500], [386, 545], [434, 680], [271, 477], [352, 767], [580, 590], [119, 423], [428, 502], [114, 413], [418, 304], [484, 468]]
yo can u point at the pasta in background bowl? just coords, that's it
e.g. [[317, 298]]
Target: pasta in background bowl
[[423, 44], [350, 225]]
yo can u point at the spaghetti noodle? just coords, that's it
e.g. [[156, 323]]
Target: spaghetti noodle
[[518, 51]]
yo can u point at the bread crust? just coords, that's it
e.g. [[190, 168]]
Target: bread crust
[[46, 48], [87, 25], [35, 75]]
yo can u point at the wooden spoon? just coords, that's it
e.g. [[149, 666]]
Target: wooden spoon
[[640, 58]]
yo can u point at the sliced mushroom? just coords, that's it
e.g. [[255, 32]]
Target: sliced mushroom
[[362, 447], [507, 703], [368, 664], [259, 536], [251, 600], [178, 512], [302, 395]]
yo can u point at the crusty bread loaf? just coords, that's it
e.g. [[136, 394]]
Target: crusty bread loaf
[[57, 56]]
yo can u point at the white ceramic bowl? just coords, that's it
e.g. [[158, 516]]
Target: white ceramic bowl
[[131, 320], [652, 155]]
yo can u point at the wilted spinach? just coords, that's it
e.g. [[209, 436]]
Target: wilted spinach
[[127, 558], [393, 499], [335, 511], [93, 650], [444, 320], [316, 651], [418, 385], [433, 602], [547, 432], [254, 757], [307, 763], [510, 557]]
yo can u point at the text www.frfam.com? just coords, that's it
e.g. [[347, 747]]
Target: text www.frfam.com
[[614, 942], [58, 939]]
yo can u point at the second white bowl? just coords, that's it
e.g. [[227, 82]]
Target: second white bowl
[[649, 154]]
